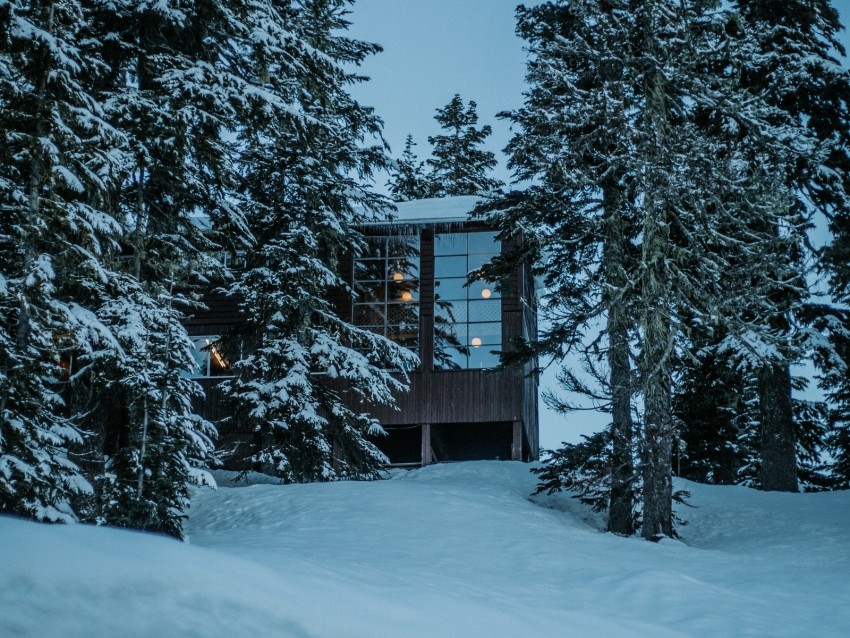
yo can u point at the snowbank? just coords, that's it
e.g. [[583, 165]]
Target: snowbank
[[449, 550]]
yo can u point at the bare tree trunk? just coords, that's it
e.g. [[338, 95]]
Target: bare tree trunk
[[621, 507], [778, 446], [657, 444], [658, 331]]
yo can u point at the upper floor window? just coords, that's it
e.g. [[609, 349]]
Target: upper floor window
[[467, 318], [386, 281]]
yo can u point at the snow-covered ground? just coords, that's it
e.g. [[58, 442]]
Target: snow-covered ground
[[449, 550]]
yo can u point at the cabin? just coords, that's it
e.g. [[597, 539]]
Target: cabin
[[411, 286]]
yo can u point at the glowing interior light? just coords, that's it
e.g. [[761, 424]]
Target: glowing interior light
[[397, 276], [406, 296], [476, 342], [486, 293]]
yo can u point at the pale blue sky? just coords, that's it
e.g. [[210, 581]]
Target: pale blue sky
[[436, 48], [432, 50]]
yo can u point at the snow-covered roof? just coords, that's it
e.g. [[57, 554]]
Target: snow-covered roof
[[435, 209]]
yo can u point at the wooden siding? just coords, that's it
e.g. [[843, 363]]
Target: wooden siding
[[453, 396]]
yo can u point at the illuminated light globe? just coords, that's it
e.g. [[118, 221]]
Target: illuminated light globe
[[476, 342], [397, 276], [486, 293], [406, 296]]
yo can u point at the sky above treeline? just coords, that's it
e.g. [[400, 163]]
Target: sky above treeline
[[436, 48]]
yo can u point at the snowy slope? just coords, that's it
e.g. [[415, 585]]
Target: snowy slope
[[450, 550]]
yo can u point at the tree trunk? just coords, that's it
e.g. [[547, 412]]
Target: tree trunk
[[621, 508], [657, 444], [656, 323], [778, 447]]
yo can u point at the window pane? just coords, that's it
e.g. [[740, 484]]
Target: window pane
[[219, 365], [375, 248], [402, 269], [484, 243], [451, 311], [403, 291], [201, 355], [372, 291], [490, 334], [450, 288], [405, 246], [369, 315], [476, 261], [485, 310], [450, 244], [450, 358], [450, 267], [403, 314], [482, 358], [482, 289], [369, 270]]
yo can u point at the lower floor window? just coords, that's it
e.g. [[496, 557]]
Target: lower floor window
[[209, 359]]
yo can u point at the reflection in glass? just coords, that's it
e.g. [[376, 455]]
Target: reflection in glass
[[386, 281]]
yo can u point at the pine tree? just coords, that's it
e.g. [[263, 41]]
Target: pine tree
[[796, 69], [690, 157], [408, 180], [57, 157], [458, 165], [172, 87], [150, 464], [305, 172]]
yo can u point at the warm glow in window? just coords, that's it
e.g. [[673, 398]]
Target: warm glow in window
[[386, 280], [467, 316], [209, 359]]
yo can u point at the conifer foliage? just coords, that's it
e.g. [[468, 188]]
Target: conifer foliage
[[303, 209], [54, 167], [655, 205], [138, 141], [457, 166]]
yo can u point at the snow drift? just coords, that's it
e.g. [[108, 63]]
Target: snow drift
[[449, 550]]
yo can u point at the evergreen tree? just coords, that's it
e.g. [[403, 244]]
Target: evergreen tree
[[173, 84], [796, 69], [691, 158], [304, 172], [57, 155], [458, 165], [408, 180], [164, 446]]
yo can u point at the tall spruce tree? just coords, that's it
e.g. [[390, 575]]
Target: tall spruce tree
[[801, 74], [688, 191], [173, 85], [57, 157], [305, 172], [458, 165], [408, 180], [797, 70]]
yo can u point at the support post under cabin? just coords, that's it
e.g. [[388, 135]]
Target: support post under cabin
[[426, 444], [516, 442]]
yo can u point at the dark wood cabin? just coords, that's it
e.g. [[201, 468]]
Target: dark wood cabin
[[411, 287]]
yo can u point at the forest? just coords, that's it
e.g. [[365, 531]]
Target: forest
[[671, 162]]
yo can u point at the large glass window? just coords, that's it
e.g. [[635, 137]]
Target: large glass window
[[386, 280], [467, 318]]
